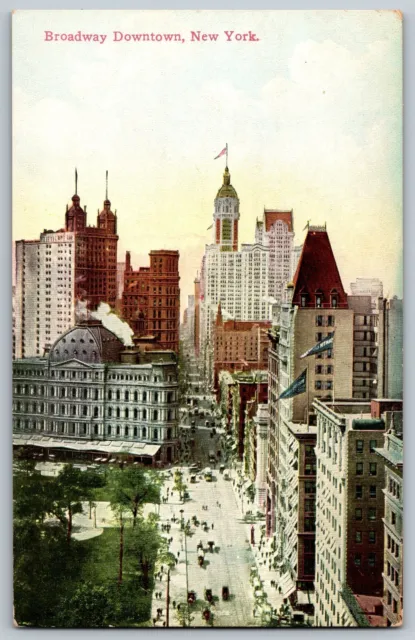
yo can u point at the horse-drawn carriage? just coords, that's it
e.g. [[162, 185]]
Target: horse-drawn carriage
[[201, 557], [208, 595], [191, 597]]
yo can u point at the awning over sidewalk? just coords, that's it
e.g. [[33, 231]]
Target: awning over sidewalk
[[110, 447], [287, 585]]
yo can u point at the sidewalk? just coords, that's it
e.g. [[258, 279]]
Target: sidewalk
[[272, 599]]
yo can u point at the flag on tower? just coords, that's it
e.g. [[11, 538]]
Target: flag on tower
[[323, 345], [298, 386], [222, 153]]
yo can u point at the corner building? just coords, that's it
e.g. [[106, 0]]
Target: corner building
[[92, 394]]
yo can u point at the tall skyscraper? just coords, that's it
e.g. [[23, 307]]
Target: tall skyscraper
[[315, 306], [75, 263], [245, 281]]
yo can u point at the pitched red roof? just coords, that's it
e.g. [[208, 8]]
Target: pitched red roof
[[317, 273], [272, 215]]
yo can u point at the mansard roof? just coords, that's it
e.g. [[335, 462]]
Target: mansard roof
[[317, 272]]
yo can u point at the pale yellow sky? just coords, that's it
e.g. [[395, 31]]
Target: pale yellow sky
[[312, 113]]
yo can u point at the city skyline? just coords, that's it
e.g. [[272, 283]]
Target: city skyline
[[157, 128]]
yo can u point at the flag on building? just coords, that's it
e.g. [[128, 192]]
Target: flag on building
[[298, 386], [222, 153], [323, 345]]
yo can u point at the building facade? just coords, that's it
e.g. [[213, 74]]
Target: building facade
[[91, 391], [239, 346], [314, 306], [247, 282], [350, 510], [392, 455], [151, 298], [372, 287], [77, 263]]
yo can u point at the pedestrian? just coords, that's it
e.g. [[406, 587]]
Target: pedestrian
[[212, 525]]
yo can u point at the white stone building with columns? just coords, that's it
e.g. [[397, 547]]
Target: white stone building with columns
[[91, 392]]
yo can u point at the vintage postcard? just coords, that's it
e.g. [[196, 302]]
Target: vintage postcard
[[207, 319]]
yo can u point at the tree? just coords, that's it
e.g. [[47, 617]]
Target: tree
[[88, 606], [133, 487], [72, 487], [145, 543], [179, 485]]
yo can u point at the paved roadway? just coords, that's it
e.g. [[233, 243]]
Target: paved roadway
[[228, 565]]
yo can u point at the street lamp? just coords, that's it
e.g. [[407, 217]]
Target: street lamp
[[185, 559]]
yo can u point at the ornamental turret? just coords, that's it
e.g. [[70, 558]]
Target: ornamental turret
[[226, 215]]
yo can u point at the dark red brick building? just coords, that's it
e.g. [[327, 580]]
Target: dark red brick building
[[95, 254], [151, 298]]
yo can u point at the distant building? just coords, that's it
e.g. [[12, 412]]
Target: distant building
[[392, 454], [91, 395], [151, 298], [349, 513], [248, 282], [120, 284], [391, 337], [239, 346], [372, 287]]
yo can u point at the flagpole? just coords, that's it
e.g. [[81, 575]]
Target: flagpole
[[227, 154]]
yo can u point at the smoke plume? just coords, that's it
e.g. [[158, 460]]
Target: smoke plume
[[113, 323]]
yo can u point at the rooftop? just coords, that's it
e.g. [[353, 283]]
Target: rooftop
[[317, 273]]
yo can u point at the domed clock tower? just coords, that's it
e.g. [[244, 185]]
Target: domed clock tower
[[226, 215]]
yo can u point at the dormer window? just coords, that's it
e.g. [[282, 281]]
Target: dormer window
[[303, 301], [334, 302], [319, 301]]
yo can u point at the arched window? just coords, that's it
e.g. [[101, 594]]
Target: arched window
[[110, 395], [95, 429], [84, 410], [109, 429], [144, 396], [110, 412], [144, 414], [126, 431], [168, 434], [118, 412], [95, 412], [118, 394], [74, 392], [135, 414], [118, 430], [96, 394], [85, 394], [155, 434], [144, 432], [135, 432], [126, 396], [135, 396], [127, 413], [155, 415]]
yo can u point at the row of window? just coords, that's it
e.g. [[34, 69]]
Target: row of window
[[358, 514], [371, 559], [84, 429], [392, 573], [371, 537], [372, 468], [359, 491]]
